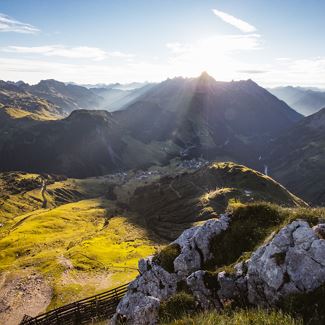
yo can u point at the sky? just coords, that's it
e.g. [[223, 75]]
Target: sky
[[278, 42]]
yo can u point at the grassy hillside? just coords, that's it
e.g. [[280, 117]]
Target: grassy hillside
[[74, 238], [79, 244], [173, 204], [19, 103]]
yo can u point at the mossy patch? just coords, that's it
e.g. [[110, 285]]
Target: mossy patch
[[249, 226], [279, 258], [211, 281], [166, 257]]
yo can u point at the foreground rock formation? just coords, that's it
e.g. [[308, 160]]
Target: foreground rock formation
[[291, 262]]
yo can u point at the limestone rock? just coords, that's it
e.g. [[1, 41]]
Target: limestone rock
[[137, 309], [292, 262], [205, 297], [195, 245], [154, 284]]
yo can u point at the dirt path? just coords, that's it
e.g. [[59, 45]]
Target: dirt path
[[22, 293], [174, 190], [43, 190]]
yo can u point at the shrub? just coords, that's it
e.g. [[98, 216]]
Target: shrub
[[176, 307], [310, 306]]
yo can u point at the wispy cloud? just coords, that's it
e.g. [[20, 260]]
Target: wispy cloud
[[8, 24], [79, 52], [234, 21]]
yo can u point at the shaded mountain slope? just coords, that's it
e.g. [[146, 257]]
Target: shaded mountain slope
[[297, 158], [83, 144], [209, 118], [173, 204], [186, 118]]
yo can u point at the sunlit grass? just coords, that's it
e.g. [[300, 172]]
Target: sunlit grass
[[239, 317], [75, 232]]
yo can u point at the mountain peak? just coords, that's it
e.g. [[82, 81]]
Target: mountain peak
[[205, 76]]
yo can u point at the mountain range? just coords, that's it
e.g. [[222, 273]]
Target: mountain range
[[304, 100], [44, 129], [197, 117]]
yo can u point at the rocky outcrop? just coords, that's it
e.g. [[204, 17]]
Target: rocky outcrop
[[291, 262], [155, 284], [194, 243]]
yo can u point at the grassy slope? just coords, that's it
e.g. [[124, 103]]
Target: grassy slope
[[84, 242], [82, 248], [240, 317], [172, 204]]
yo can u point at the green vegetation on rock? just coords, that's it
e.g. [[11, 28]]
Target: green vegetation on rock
[[166, 257], [177, 306]]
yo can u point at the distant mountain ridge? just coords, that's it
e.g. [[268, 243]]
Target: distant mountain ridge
[[305, 100], [67, 97], [194, 117]]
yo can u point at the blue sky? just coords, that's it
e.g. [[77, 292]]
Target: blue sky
[[273, 42]]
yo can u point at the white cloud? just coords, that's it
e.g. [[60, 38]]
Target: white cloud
[[118, 54], [8, 24], [79, 52], [234, 21]]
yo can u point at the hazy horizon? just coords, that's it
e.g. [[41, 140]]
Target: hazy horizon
[[91, 42]]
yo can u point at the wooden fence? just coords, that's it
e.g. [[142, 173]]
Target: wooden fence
[[85, 311]]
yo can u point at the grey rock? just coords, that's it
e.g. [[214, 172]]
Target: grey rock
[[195, 245], [137, 309], [205, 297], [154, 284], [293, 261]]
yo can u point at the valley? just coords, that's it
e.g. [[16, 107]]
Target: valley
[[93, 231], [87, 193]]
